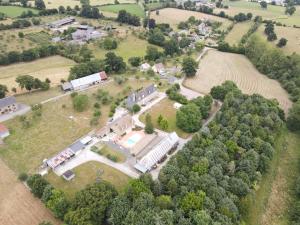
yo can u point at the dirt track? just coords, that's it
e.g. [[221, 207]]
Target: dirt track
[[217, 67], [17, 204]]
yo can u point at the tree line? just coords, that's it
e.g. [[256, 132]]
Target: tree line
[[207, 182], [128, 18]]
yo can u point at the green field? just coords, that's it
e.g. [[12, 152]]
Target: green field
[[272, 12], [154, 5], [39, 38], [88, 173], [128, 47], [134, 9], [237, 32], [15, 11]]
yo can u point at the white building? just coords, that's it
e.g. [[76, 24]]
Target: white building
[[157, 153], [145, 67]]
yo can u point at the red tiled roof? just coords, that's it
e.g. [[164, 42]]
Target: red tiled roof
[[3, 128], [103, 75]]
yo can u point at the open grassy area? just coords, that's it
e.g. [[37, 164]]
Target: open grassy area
[[154, 5], [108, 152], [128, 47], [89, 173], [40, 38], [10, 41], [237, 32], [272, 12], [166, 109], [55, 68], [134, 9], [273, 196], [15, 11], [289, 33], [57, 128]]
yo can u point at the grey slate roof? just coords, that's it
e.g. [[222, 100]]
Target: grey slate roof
[[135, 97], [7, 101], [77, 146]]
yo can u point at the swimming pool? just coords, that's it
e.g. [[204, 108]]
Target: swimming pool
[[133, 139]]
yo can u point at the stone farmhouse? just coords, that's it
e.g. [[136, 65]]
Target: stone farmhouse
[[141, 97]]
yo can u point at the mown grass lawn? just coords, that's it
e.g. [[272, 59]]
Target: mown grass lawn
[[134, 9], [89, 173], [107, 151], [15, 11], [166, 109]]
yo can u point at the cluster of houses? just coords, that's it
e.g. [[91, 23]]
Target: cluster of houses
[[84, 82], [83, 33]]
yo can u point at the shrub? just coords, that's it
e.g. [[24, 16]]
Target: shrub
[[136, 108], [23, 176], [80, 102]]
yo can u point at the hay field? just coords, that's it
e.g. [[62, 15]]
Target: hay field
[[55, 68], [272, 12], [175, 16], [237, 32], [217, 67], [290, 33], [17, 205]]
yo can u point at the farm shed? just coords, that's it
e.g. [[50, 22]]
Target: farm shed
[[87, 81], [62, 22], [67, 86], [4, 132], [8, 105], [157, 153]]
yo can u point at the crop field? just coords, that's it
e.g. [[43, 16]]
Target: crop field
[[15, 11], [55, 68], [175, 16], [272, 12], [92, 169], [217, 67], [237, 32], [134, 9], [168, 113], [10, 41], [17, 204], [289, 33], [58, 127]]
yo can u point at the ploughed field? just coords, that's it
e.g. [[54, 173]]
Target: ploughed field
[[217, 67]]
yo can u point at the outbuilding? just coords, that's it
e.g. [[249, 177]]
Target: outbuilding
[[4, 132], [68, 175]]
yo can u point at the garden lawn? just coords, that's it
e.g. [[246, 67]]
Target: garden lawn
[[134, 9], [105, 150], [88, 173], [166, 109], [15, 11]]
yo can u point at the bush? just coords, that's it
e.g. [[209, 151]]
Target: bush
[[37, 185], [109, 44], [23, 176], [136, 108], [73, 94], [80, 102]]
